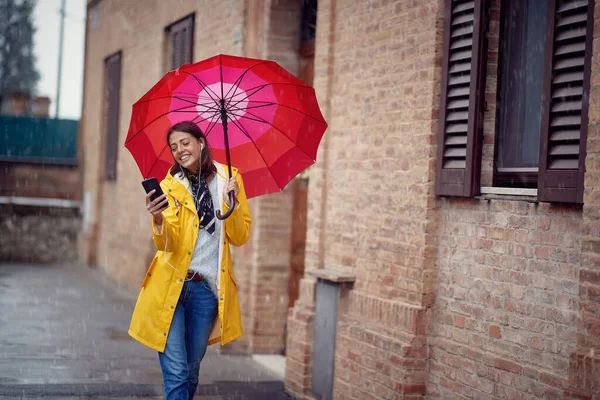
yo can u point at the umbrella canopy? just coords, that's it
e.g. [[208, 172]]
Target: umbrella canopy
[[267, 119]]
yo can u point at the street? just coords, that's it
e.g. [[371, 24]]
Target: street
[[63, 335]]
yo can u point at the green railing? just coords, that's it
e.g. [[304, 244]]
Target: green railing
[[38, 140]]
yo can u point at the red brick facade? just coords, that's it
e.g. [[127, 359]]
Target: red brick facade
[[474, 298], [489, 297]]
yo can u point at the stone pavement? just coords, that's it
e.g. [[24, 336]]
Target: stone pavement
[[63, 335]]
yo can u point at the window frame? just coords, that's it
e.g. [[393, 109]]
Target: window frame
[[112, 104], [177, 51], [563, 180], [457, 180], [526, 175], [564, 185]]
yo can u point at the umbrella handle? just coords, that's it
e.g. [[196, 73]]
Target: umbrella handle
[[231, 208]]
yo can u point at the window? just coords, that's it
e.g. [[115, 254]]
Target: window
[[112, 100], [180, 38], [520, 84], [542, 92]]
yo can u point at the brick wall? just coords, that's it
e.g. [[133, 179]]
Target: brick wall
[[263, 278], [516, 313], [584, 371], [456, 298], [117, 210], [369, 195], [507, 302], [270, 30], [284, 33]]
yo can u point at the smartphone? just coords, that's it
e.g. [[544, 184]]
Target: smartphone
[[152, 184]]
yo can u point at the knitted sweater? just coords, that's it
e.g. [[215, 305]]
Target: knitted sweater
[[205, 259]]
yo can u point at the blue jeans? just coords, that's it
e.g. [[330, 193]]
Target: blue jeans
[[187, 341]]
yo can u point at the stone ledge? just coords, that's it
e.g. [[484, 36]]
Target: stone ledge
[[334, 275], [39, 202]]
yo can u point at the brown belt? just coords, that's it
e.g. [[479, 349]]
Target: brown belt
[[194, 276]]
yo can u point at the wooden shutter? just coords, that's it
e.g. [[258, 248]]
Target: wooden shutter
[[182, 37], [113, 89], [565, 101], [462, 100]]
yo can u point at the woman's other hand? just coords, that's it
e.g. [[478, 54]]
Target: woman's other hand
[[157, 206], [232, 186]]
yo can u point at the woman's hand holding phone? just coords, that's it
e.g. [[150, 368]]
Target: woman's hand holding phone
[[156, 206]]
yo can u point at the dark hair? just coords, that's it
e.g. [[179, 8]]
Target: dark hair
[[206, 161]]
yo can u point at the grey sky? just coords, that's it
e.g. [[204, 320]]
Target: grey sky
[[47, 20]]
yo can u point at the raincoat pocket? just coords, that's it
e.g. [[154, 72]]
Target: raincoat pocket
[[232, 277], [149, 272]]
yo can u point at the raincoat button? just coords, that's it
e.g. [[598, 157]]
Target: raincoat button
[[221, 299], [186, 203], [169, 190], [223, 270], [164, 333], [172, 307], [180, 279], [189, 253]]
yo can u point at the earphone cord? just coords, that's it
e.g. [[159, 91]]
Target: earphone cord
[[165, 223]]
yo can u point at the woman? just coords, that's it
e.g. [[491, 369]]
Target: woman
[[190, 281]]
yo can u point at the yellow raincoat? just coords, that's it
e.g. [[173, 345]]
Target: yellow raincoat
[[175, 242]]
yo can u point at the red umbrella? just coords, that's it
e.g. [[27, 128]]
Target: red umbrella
[[255, 115]]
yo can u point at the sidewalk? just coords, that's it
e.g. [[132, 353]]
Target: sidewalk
[[64, 335]]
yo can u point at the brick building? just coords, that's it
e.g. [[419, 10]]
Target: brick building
[[124, 38], [452, 218]]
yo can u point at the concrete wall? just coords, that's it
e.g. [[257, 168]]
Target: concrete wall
[[35, 234]]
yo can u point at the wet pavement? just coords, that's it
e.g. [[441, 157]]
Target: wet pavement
[[63, 335]]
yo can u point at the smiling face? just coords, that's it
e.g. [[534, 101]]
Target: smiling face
[[186, 150]]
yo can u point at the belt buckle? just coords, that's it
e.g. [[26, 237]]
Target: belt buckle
[[194, 276]]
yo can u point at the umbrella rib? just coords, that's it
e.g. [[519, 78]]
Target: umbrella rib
[[256, 65], [204, 119], [279, 130], [204, 86], [243, 116], [212, 123], [153, 121], [157, 158], [194, 103], [284, 83], [238, 81], [289, 108], [170, 95], [163, 97], [248, 96], [276, 83], [243, 131], [241, 128], [261, 87], [251, 107], [210, 128]]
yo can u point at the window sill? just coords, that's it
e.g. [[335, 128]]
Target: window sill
[[504, 193], [334, 275]]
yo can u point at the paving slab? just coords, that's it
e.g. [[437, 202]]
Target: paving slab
[[63, 335]]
